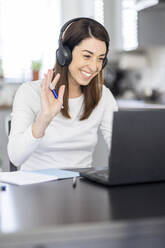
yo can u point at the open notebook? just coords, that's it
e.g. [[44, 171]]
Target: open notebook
[[36, 176]]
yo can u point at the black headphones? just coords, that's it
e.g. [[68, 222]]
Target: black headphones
[[63, 53]]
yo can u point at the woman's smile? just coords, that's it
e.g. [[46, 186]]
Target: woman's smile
[[86, 75]]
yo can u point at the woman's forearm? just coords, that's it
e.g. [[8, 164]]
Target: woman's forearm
[[39, 126], [21, 146]]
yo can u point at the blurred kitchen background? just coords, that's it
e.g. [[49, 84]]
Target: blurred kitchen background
[[29, 31]]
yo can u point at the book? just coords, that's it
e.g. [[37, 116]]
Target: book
[[36, 176]]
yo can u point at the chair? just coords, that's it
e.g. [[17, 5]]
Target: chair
[[12, 167]]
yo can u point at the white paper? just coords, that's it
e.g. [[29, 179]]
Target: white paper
[[25, 178]]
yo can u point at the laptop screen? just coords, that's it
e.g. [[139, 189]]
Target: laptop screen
[[138, 146]]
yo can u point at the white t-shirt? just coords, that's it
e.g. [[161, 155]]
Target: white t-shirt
[[67, 143]]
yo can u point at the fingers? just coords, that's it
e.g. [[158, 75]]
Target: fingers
[[61, 93], [48, 78], [45, 85], [44, 82], [56, 79]]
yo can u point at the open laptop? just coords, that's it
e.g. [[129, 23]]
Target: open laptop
[[137, 150]]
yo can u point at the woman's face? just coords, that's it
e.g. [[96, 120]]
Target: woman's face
[[87, 59]]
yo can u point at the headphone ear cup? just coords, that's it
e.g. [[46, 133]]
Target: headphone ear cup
[[105, 61], [64, 55]]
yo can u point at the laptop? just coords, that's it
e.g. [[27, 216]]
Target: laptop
[[137, 150]]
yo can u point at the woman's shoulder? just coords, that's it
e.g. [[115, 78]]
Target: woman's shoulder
[[28, 96], [30, 88], [109, 99], [107, 92]]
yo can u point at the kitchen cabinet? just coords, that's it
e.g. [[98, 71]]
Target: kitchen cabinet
[[151, 26]]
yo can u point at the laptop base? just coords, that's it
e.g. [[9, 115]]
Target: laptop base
[[97, 175]]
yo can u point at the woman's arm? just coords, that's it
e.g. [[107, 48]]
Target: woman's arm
[[31, 116], [21, 141]]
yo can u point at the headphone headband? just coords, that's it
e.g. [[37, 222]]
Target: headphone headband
[[74, 20]]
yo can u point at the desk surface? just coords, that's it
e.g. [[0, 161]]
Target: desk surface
[[58, 206]]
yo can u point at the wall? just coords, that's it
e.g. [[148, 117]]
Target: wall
[[154, 74], [112, 16], [151, 37], [76, 8]]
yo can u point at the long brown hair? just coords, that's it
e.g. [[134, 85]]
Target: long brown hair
[[74, 34]]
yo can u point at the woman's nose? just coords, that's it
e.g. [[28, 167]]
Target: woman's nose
[[93, 65]]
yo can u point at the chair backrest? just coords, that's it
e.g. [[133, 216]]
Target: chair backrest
[[12, 167]]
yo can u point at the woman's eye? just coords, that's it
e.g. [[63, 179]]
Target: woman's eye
[[101, 59], [87, 56]]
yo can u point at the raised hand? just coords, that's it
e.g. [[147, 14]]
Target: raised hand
[[50, 106]]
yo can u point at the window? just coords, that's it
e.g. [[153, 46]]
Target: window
[[129, 24], [28, 31], [142, 4], [99, 11]]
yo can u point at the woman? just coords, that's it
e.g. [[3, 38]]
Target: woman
[[62, 133]]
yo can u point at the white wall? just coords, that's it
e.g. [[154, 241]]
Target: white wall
[[154, 74], [76, 8], [112, 16]]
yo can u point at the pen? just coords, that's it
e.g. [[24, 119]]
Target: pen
[[53, 90], [2, 187], [74, 182]]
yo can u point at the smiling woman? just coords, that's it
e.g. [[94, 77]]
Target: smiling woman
[[77, 35], [87, 59], [60, 130]]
